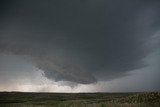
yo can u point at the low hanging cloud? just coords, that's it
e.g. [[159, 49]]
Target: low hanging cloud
[[81, 41]]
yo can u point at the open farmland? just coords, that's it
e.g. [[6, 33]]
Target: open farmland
[[18, 99]]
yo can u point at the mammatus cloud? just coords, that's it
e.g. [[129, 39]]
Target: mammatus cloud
[[81, 41]]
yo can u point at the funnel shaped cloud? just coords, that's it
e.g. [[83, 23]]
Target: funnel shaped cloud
[[82, 41]]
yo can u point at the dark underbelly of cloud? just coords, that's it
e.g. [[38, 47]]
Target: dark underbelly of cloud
[[81, 41]]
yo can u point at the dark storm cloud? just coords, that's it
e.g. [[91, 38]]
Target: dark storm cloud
[[83, 41]]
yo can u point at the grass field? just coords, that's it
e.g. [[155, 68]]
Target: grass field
[[18, 99]]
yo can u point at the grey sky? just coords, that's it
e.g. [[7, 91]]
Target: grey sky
[[81, 41]]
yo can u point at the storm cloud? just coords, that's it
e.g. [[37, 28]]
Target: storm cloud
[[81, 41]]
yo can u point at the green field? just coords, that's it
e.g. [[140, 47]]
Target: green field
[[18, 99]]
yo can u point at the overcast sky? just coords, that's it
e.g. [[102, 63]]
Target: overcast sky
[[79, 45]]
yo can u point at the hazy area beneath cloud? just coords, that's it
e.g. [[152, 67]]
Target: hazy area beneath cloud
[[80, 43]]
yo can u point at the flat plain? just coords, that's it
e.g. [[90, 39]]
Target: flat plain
[[25, 99]]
